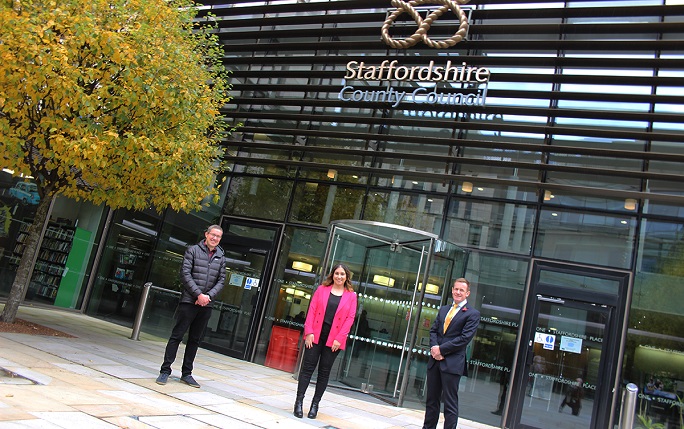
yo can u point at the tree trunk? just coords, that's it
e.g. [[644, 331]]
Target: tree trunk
[[28, 259]]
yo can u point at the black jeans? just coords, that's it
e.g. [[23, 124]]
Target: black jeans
[[192, 317], [319, 355]]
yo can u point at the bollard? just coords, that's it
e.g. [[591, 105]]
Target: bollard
[[629, 397], [141, 311]]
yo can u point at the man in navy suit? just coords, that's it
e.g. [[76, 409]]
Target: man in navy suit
[[451, 332]]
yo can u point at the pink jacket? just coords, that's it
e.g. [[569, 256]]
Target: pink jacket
[[343, 321]]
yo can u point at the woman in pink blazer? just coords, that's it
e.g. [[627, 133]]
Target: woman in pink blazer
[[328, 321]]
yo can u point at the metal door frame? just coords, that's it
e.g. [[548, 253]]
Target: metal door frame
[[616, 329]]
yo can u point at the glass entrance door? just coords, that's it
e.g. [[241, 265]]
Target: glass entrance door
[[565, 374], [388, 345], [564, 367], [249, 250], [385, 293]]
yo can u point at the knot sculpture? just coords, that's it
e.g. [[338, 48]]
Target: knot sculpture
[[424, 24]]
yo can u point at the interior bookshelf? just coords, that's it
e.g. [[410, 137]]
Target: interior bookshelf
[[52, 257]]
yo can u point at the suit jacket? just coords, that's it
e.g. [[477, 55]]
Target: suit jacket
[[342, 322], [453, 342]]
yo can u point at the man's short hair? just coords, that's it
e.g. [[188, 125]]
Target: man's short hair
[[212, 227], [462, 280]]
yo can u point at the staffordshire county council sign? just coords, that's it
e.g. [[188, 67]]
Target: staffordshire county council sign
[[473, 81], [424, 24], [383, 83]]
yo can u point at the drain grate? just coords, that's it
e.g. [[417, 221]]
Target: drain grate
[[9, 377]]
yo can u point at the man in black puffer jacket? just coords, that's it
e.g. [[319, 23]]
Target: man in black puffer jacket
[[203, 273]]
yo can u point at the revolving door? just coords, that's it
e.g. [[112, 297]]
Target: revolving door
[[401, 276]]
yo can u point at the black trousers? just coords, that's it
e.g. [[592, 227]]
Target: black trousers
[[323, 357], [441, 385], [193, 319]]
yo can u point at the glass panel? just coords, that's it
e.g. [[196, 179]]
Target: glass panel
[[564, 370], [232, 311], [258, 197], [476, 183], [175, 237], [334, 174], [445, 268], [336, 161], [121, 273], [294, 282], [574, 281], [665, 208], [581, 180], [654, 356], [666, 167], [497, 290], [489, 225], [231, 319], [399, 164], [386, 290], [388, 265], [420, 184], [160, 312], [586, 237], [594, 161], [581, 200], [62, 267], [422, 212], [503, 155], [661, 248], [321, 203]]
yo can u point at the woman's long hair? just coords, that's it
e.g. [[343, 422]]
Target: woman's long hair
[[347, 283]]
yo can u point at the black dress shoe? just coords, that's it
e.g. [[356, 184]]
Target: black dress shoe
[[313, 411], [298, 412]]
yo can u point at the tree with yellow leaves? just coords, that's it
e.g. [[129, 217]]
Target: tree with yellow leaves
[[111, 101]]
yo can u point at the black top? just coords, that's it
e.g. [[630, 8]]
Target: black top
[[331, 309]]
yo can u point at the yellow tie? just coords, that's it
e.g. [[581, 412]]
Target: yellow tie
[[449, 316]]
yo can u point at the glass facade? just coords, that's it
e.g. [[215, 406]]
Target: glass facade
[[70, 244], [559, 174]]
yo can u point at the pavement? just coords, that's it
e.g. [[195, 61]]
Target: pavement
[[103, 379]]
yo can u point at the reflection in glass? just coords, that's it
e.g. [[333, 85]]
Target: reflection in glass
[[258, 197], [423, 212], [579, 282], [591, 238], [654, 355], [321, 203], [490, 225]]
